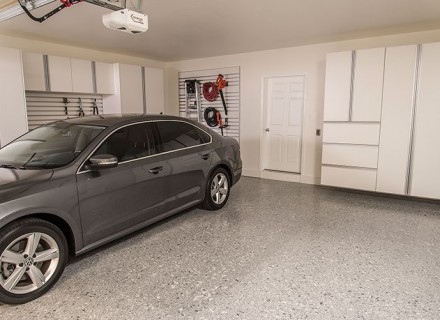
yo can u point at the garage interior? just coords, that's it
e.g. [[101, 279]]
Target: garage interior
[[335, 108]]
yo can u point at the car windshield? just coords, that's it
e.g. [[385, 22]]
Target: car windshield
[[50, 146]]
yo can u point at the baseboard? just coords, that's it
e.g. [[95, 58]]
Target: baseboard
[[251, 173]]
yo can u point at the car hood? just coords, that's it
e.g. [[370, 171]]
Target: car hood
[[10, 178]]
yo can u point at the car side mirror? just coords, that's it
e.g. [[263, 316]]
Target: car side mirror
[[102, 161]]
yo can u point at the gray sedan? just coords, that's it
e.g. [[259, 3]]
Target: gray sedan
[[73, 185]]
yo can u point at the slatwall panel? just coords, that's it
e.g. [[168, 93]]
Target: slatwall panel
[[44, 107], [231, 93]]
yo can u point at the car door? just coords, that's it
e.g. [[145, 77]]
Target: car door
[[187, 156], [115, 199]]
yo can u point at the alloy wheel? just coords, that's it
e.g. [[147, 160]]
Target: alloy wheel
[[219, 188], [28, 263]]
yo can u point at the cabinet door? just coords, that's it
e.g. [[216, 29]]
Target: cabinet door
[[82, 79], [397, 108], [154, 90], [132, 96], [60, 74], [426, 149], [104, 78], [13, 121], [33, 69], [368, 83], [338, 76]]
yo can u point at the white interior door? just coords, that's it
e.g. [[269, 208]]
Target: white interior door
[[285, 101]]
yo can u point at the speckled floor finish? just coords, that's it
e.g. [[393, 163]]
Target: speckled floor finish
[[277, 250]]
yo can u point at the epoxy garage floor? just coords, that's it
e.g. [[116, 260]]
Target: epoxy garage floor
[[277, 251]]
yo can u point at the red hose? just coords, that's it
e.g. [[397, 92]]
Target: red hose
[[210, 91]]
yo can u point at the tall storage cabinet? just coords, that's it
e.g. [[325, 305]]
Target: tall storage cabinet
[[13, 121], [425, 171], [351, 118], [154, 90], [400, 112], [397, 113]]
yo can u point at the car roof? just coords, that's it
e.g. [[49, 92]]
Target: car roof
[[108, 120]]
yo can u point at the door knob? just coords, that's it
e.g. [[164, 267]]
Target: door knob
[[267, 129]]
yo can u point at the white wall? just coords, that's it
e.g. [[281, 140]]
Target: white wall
[[255, 66], [75, 52]]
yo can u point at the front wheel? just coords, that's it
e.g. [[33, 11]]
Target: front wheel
[[33, 257], [217, 190]]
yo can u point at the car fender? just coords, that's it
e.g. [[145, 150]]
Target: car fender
[[45, 211]]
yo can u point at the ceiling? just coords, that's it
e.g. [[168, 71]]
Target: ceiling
[[192, 29]]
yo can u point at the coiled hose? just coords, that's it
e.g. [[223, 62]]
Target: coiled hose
[[211, 117], [210, 91]]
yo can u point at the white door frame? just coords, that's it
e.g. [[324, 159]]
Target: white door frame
[[263, 119]]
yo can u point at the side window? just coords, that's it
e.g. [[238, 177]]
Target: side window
[[206, 138], [128, 143], [178, 135]]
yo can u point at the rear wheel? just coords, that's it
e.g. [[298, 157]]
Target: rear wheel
[[217, 190], [33, 257]]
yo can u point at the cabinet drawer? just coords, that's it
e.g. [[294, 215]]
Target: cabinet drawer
[[352, 133], [353, 178], [350, 155]]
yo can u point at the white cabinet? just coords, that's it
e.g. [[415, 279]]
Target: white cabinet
[[13, 121], [354, 178], [105, 83], [154, 90], [60, 74], [130, 77], [82, 77], [397, 108], [352, 108], [352, 133], [129, 94], [367, 84], [338, 76], [393, 118], [70, 75], [34, 71], [425, 174], [360, 156]]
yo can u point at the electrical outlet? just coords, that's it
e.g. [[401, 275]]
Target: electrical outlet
[[318, 132]]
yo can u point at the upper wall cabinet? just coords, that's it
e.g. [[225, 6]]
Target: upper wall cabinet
[[154, 90], [105, 83], [338, 77], [367, 84], [70, 75], [63, 74], [13, 121], [34, 71], [60, 74], [82, 76]]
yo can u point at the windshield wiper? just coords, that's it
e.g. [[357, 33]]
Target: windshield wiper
[[11, 166]]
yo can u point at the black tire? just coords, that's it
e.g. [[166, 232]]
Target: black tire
[[217, 201], [15, 240]]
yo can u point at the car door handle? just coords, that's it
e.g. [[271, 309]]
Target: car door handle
[[205, 156], [155, 170]]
